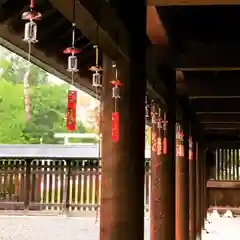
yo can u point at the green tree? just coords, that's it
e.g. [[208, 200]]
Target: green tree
[[47, 103], [12, 117], [14, 67]]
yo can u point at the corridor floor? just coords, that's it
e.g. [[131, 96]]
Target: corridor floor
[[60, 228]]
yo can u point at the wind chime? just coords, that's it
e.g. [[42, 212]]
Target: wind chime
[[71, 112], [178, 140], [30, 36], [165, 122], [160, 129], [115, 114], [154, 122], [97, 84], [146, 108], [181, 143], [190, 142]]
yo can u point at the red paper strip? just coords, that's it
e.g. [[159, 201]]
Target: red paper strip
[[159, 146], [164, 145], [190, 155], [115, 126], [178, 153], [154, 142], [182, 150], [71, 110]]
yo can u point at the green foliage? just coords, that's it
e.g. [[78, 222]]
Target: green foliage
[[47, 104]]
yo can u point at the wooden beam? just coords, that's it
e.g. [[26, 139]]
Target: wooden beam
[[198, 55], [109, 30], [217, 125], [155, 29], [228, 106], [209, 89], [53, 65], [215, 118], [192, 2], [112, 33]]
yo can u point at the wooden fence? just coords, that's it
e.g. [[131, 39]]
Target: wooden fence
[[72, 185], [224, 183]]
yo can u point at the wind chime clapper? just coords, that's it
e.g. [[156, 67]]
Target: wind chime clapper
[[30, 32], [115, 114]]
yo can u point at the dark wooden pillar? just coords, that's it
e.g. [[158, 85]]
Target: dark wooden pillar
[[168, 165], [182, 189], [122, 189], [192, 191], [205, 178], [198, 194], [201, 159], [155, 205]]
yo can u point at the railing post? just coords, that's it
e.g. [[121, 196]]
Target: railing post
[[67, 187], [27, 186]]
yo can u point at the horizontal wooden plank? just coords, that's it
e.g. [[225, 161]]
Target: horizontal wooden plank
[[223, 184]]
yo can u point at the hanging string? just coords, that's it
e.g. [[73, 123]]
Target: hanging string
[[30, 36], [31, 4], [72, 68]]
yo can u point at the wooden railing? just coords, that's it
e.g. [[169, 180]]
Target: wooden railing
[[53, 184]]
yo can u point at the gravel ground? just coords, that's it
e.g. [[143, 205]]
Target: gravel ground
[[61, 228]]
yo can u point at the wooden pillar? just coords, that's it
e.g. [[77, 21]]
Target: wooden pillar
[[182, 189], [205, 202], [122, 183], [198, 194], [192, 190], [168, 185], [163, 221], [201, 160], [155, 205]]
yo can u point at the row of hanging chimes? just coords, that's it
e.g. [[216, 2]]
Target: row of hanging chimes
[[156, 117], [179, 141]]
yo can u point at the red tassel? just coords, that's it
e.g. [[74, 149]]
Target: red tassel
[[115, 126], [71, 110], [178, 153], [182, 150], [190, 155], [164, 145]]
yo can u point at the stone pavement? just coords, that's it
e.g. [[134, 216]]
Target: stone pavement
[[84, 228]]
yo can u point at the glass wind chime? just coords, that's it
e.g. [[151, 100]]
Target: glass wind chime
[[154, 122], [160, 129], [71, 112], [97, 84], [190, 142], [181, 142], [178, 140], [30, 36], [165, 123], [115, 114]]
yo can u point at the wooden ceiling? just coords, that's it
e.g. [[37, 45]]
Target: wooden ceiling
[[206, 45]]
